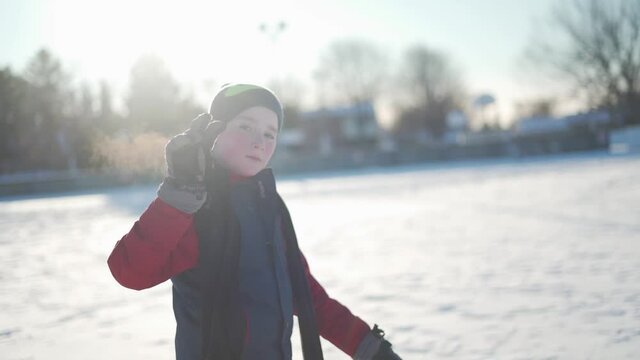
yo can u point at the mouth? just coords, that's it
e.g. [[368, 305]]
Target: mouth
[[254, 158]]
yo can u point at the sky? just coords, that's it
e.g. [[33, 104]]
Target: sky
[[213, 42]]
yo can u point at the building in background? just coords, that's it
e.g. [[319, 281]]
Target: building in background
[[341, 129]]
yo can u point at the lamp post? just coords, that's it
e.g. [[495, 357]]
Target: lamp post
[[273, 31]]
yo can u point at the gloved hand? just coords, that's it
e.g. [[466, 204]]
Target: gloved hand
[[375, 347], [385, 352], [184, 187]]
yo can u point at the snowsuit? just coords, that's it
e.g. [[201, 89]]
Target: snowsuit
[[258, 281]]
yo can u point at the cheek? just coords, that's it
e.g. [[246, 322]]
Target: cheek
[[230, 144], [270, 148]]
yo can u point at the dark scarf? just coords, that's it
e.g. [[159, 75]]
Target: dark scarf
[[223, 325]]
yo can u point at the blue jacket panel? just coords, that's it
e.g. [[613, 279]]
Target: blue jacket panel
[[264, 287]]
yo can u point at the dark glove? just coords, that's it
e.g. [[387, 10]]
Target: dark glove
[[385, 352], [375, 347], [184, 187]]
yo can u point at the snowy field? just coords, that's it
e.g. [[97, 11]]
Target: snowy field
[[535, 259]]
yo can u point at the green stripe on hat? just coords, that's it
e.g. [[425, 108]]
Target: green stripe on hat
[[232, 99], [239, 89]]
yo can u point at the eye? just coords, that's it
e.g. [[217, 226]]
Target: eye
[[269, 136], [245, 127]]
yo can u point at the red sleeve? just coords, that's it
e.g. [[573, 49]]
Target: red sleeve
[[335, 322], [162, 243]]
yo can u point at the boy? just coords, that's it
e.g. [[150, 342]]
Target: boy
[[222, 234]]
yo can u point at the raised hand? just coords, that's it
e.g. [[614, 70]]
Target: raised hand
[[184, 187]]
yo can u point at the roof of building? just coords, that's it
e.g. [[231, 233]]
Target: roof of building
[[361, 109]]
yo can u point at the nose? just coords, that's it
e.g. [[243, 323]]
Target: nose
[[257, 141]]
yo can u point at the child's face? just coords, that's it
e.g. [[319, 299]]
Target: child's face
[[248, 142]]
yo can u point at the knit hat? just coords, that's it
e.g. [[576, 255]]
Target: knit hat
[[232, 99]]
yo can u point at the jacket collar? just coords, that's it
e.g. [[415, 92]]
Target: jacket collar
[[263, 183]]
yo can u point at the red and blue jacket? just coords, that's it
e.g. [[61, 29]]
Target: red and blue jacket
[[163, 244]]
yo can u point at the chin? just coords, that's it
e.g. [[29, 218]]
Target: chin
[[248, 172], [243, 169]]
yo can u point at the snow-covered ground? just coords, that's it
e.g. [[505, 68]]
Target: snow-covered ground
[[536, 259]]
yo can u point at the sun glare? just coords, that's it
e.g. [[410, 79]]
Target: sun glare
[[196, 39]]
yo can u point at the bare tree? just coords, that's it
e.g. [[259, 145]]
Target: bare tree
[[155, 101], [597, 46], [14, 127], [52, 117], [351, 71], [50, 88], [536, 108], [430, 87], [289, 90], [429, 76]]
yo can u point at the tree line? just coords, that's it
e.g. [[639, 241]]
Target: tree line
[[49, 122]]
